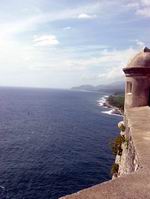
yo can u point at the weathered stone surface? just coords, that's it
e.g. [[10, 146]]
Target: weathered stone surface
[[135, 185], [141, 60], [128, 158], [137, 89]]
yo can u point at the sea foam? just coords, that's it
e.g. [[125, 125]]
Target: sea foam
[[103, 103]]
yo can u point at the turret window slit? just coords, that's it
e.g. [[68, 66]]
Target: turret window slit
[[129, 87]]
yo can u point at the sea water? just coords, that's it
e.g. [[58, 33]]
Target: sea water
[[53, 142]]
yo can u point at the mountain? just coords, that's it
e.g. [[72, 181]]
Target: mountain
[[84, 87], [114, 87]]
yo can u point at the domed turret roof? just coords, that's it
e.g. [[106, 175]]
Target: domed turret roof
[[141, 60]]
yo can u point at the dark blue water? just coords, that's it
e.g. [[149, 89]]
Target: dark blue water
[[52, 142]]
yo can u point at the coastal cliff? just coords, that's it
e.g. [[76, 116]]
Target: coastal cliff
[[133, 175]]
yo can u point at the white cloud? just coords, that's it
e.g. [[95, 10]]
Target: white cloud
[[118, 59], [133, 5], [67, 28], [113, 74], [139, 43], [89, 11], [31, 22], [145, 12], [86, 16], [145, 2], [45, 40], [141, 7], [112, 62]]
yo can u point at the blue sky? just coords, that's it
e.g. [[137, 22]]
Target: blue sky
[[65, 43]]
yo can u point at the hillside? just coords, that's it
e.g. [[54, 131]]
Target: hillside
[[115, 87]]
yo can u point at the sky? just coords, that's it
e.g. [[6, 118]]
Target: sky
[[65, 43]]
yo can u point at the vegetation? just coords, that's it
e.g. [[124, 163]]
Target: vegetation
[[116, 145], [127, 143], [114, 168], [121, 126], [117, 101]]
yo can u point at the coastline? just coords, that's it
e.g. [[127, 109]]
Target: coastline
[[103, 102]]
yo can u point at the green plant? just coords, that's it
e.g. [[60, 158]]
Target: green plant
[[119, 151], [116, 145], [114, 168], [127, 143], [117, 101], [122, 128]]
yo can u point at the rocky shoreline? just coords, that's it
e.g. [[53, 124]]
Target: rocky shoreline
[[113, 110]]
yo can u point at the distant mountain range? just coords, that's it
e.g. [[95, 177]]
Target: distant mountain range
[[115, 87]]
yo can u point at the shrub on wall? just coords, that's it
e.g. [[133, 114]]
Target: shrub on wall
[[116, 145], [127, 143], [114, 169], [121, 126]]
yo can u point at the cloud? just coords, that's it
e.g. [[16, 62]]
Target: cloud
[[34, 20], [106, 58], [132, 5], [99, 9], [110, 63], [145, 2], [67, 28], [141, 7], [102, 10], [116, 60], [145, 12], [113, 74], [45, 40], [139, 43], [86, 16]]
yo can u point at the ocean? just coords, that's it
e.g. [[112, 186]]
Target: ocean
[[53, 142]]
